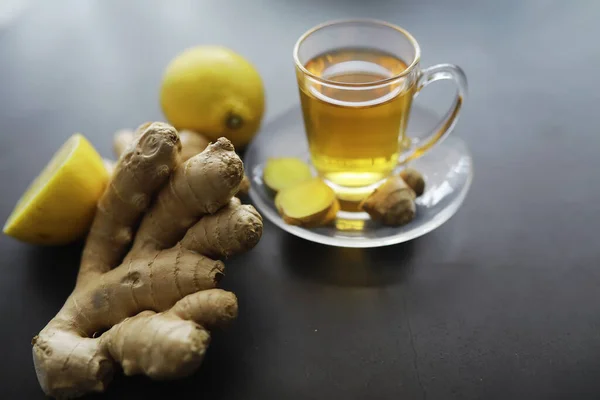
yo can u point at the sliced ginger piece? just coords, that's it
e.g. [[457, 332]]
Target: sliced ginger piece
[[311, 203], [285, 172], [332, 213]]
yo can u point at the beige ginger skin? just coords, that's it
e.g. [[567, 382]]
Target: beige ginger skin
[[192, 143], [146, 298]]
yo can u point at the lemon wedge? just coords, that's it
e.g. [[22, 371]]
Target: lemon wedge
[[59, 205]]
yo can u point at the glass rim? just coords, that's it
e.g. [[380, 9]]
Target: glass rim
[[366, 21]]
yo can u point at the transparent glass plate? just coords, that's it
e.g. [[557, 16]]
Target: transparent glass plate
[[447, 167]]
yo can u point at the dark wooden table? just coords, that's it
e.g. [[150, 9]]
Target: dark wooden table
[[501, 302]]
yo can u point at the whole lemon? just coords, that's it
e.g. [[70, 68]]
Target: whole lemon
[[214, 91]]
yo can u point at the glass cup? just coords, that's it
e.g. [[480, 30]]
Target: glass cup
[[357, 80]]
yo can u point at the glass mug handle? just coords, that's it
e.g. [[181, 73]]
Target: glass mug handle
[[429, 75]]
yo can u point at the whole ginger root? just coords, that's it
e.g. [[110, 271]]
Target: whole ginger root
[[192, 143], [392, 203], [414, 179], [145, 299]]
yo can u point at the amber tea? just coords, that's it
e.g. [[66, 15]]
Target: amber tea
[[357, 79], [354, 134]]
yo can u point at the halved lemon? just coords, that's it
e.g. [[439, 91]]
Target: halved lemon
[[59, 205]]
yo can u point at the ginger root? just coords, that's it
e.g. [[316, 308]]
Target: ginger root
[[392, 203], [310, 204], [414, 179], [244, 186], [149, 309], [285, 172], [192, 143], [123, 138]]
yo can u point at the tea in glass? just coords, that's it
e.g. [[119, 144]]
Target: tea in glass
[[353, 135], [357, 79]]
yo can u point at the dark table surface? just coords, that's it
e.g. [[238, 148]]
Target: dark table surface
[[501, 302]]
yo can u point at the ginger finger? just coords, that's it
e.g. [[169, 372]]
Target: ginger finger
[[310, 204], [202, 185], [208, 308], [244, 186], [392, 203], [192, 143], [122, 139], [161, 346], [233, 229], [138, 174]]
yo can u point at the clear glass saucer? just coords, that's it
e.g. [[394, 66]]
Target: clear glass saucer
[[447, 167]]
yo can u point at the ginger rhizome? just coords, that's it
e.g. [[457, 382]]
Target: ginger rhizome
[[192, 143], [392, 203], [145, 299], [414, 179], [282, 173], [311, 203]]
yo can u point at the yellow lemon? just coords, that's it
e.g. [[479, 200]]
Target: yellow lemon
[[59, 205], [213, 91]]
